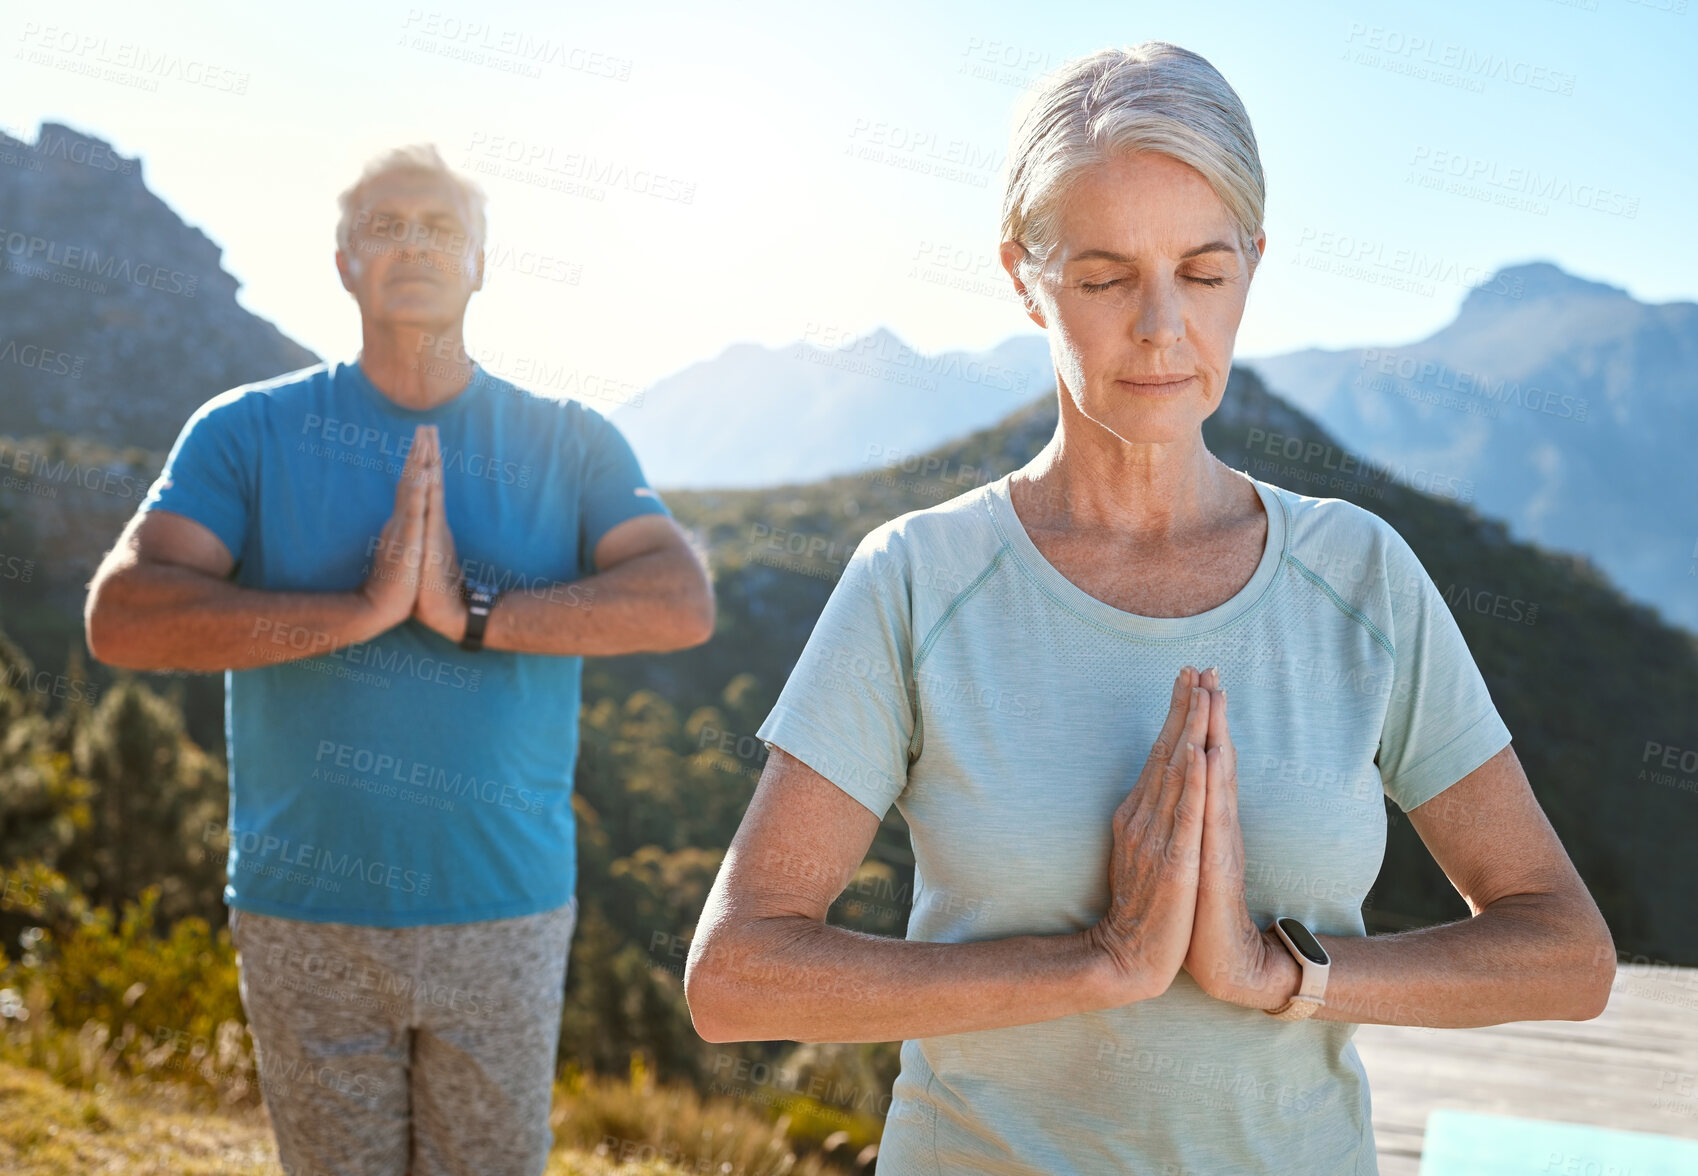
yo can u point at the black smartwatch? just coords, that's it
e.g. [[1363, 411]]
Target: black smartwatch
[[479, 598]]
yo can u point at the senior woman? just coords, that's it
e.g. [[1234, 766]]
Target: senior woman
[[1102, 843]]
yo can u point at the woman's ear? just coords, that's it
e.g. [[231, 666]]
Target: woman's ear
[[1012, 254]]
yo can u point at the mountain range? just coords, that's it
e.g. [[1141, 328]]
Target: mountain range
[[1560, 405], [828, 403]]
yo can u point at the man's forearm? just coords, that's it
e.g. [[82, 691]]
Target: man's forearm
[[1524, 958], [794, 978], [648, 604], [164, 617]]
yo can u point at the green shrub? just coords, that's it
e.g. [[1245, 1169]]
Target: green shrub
[[93, 997]]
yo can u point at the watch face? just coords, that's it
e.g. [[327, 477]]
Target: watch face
[[1304, 942]]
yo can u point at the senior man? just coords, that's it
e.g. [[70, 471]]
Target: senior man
[[400, 562]]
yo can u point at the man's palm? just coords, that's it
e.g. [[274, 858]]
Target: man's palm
[[439, 604]]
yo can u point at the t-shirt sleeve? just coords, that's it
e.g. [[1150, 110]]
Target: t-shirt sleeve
[[847, 710], [208, 475], [1441, 723], [614, 488]]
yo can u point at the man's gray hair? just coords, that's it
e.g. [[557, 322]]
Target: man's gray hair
[[419, 158]]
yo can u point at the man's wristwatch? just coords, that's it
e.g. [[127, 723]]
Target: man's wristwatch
[[1313, 959], [479, 598]]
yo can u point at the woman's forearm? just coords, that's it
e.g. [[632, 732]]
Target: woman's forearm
[[794, 978], [1526, 957]]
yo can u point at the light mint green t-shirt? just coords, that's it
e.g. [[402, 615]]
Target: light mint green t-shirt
[[1006, 713]]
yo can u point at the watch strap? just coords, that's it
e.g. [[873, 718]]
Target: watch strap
[[1298, 1008], [1312, 983], [480, 598]]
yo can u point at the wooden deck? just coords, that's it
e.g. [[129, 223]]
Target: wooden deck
[[1634, 1068]]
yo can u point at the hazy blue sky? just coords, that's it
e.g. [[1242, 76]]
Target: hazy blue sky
[[770, 172]]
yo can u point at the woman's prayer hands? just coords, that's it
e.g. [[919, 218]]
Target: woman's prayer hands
[[1230, 958], [1155, 858], [1176, 867]]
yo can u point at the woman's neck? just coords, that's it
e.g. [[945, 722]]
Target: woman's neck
[[1088, 478]]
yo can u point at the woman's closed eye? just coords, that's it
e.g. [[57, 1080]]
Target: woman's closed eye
[[1099, 287]]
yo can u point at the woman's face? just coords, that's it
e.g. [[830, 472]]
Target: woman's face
[[1142, 296]]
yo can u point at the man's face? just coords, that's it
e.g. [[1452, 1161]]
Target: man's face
[[411, 259]]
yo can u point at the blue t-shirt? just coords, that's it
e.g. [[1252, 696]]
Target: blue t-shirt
[[400, 781]]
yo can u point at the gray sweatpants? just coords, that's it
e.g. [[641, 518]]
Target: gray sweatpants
[[383, 1050]]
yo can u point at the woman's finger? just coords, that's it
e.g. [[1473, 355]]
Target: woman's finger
[[1217, 716], [1195, 732], [1186, 841], [1171, 736], [1229, 759], [1168, 742], [1220, 737], [1219, 844]]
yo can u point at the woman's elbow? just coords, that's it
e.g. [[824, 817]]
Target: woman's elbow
[[698, 998], [1597, 978], [704, 996], [1585, 961]]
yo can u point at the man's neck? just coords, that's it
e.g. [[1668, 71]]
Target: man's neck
[[416, 367]]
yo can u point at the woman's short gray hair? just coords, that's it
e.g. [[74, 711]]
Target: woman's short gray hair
[[1149, 97], [419, 157]]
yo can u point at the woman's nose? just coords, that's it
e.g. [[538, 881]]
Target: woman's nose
[[1157, 320]]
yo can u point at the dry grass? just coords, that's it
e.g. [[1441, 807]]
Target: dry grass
[[603, 1127], [49, 1130]]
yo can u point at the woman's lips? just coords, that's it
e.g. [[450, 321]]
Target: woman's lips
[[1167, 387]]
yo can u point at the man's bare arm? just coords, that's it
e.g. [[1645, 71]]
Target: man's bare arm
[[652, 595], [160, 602], [162, 599]]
